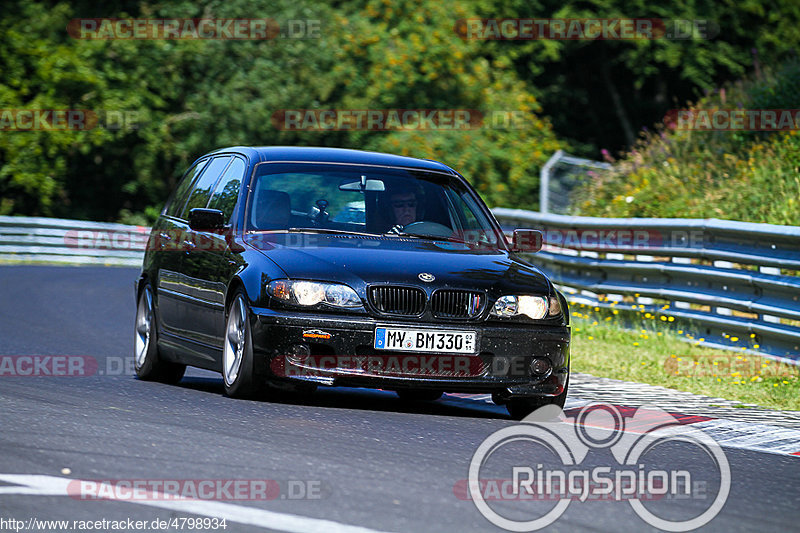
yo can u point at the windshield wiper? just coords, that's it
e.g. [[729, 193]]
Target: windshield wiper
[[471, 244], [331, 231], [401, 233], [313, 230]]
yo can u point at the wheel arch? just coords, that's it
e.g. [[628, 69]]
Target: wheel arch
[[143, 278], [250, 281], [235, 284]]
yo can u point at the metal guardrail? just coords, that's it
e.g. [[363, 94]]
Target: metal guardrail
[[56, 240], [721, 280]]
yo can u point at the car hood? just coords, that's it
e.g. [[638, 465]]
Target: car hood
[[361, 260]]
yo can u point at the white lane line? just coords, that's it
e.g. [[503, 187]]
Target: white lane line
[[57, 486]]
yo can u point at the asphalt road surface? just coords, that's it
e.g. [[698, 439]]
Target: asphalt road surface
[[338, 460]]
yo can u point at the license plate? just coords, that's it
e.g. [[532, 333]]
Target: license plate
[[425, 340]]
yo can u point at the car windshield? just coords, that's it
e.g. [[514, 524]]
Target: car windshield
[[366, 199]]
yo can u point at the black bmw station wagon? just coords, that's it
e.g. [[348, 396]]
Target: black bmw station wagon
[[285, 267]]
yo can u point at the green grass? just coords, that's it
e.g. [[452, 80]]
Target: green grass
[[678, 173], [601, 347]]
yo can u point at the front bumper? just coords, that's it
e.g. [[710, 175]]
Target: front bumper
[[338, 350]]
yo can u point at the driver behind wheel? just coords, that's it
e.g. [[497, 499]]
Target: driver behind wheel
[[404, 207], [407, 206]]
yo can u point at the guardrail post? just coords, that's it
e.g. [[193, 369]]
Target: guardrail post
[[775, 272], [644, 300], [723, 310], [682, 261]]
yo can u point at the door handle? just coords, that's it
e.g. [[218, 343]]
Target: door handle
[[163, 239]]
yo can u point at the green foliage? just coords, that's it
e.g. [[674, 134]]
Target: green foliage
[[576, 80], [187, 97], [779, 92], [745, 176], [425, 65], [604, 346]]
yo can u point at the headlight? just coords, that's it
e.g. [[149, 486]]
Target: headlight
[[555, 306], [535, 307], [310, 293]]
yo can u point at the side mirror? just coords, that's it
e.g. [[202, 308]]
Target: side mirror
[[526, 240], [206, 219]]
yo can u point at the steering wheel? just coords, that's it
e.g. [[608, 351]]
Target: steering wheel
[[431, 229]]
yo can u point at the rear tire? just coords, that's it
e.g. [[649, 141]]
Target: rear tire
[[521, 407], [147, 361], [419, 395], [238, 371]]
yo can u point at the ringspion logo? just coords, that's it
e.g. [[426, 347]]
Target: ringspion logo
[[597, 455]]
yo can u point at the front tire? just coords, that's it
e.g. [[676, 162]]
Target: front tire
[[237, 353], [146, 359], [521, 407]]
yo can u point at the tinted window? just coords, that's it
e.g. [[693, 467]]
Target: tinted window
[[227, 190], [378, 200], [201, 192], [175, 204]]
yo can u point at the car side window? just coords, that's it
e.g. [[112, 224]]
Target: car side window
[[176, 203], [201, 192], [227, 190]]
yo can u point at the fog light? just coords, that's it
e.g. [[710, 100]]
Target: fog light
[[298, 353], [540, 366]]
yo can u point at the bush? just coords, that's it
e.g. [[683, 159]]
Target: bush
[[747, 176]]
